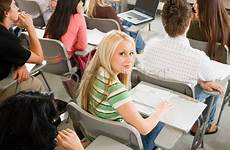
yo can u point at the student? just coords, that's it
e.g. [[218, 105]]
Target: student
[[68, 25], [98, 9], [12, 55], [210, 23], [103, 89], [29, 122], [173, 57]]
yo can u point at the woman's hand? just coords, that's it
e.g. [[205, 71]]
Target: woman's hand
[[163, 107], [68, 140], [80, 8]]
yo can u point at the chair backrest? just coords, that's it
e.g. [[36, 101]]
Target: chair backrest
[[56, 56], [93, 126], [104, 25], [33, 9], [202, 45], [138, 76]]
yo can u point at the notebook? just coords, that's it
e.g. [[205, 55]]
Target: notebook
[[144, 11]]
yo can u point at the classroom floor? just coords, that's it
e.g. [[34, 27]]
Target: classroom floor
[[218, 141]]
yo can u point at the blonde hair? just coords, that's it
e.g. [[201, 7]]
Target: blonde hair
[[102, 58], [91, 8]]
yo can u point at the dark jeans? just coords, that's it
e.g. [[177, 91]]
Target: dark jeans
[[140, 44], [148, 140]]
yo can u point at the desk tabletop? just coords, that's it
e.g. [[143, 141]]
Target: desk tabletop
[[185, 110]]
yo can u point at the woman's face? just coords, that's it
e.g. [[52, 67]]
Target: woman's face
[[123, 58], [195, 10], [12, 14]]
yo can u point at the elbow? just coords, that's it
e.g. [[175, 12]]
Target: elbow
[[144, 131]]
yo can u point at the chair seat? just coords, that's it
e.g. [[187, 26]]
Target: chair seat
[[105, 143]]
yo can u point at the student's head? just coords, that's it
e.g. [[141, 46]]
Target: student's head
[[59, 21], [8, 9], [27, 122], [176, 16], [115, 54], [214, 21], [92, 4]]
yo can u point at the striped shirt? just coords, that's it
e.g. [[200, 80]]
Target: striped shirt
[[106, 95]]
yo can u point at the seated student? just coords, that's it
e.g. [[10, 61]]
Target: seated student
[[12, 55], [210, 23], [98, 9], [68, 25], [173, 57], [104, 87], [29, 122]]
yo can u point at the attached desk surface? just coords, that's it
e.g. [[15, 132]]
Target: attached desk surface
[[178, 120], [182, 115], [32, 68]]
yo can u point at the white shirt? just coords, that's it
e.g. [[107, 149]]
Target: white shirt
[[174, 58]]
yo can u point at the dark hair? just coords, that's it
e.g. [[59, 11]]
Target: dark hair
[[26, 122], [214, 21], [4, 7], [59, 21], [176, 16]]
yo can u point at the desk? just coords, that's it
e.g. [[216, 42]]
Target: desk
[[9, 81], [185, 109], [178, 120]]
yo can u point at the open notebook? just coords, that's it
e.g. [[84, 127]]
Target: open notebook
[[182, 115]]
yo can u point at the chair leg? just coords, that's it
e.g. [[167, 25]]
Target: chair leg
[[198, 139], [46, 82], [225, 101]]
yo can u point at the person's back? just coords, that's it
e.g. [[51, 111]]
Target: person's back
[[70, 29], [174, 58]]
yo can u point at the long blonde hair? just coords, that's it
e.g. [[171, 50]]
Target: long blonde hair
[[102, 58], [91, 8]]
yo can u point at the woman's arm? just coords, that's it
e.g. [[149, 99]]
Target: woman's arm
[[130, 114]]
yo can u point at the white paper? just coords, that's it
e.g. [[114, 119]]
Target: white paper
[[29, 66], [95, 36]]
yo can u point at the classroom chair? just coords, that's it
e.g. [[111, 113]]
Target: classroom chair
[[93, 126], [202, 45], [138, 76], [33, 9], [104, 25]]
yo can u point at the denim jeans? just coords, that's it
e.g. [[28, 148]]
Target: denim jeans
[[148, 140], [204, 97], [140, 44]]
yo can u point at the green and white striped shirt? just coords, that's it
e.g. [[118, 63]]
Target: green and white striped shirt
[[106, 96]]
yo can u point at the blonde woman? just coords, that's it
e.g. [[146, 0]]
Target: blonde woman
[[99, 9], [104, 93]]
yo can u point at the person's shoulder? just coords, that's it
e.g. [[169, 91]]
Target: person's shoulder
[[78, 18]]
